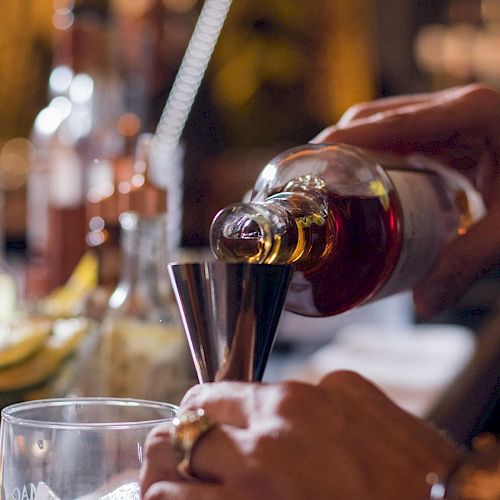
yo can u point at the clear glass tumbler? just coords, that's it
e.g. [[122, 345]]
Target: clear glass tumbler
[[76, 448]]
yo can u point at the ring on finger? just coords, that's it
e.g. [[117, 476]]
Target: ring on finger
[[187, 429]]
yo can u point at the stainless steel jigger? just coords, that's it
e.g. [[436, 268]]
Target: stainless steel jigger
[[230, 314]]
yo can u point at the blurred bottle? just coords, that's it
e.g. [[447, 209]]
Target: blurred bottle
[[103, 236], [8, 281], [118, 182], [147, 196], [67, 134], [108, 193], [56, 216], [153, 38], [144, 351], [357, 226]]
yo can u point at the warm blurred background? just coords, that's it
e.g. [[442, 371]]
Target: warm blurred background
[[82, 79], [281, 71]]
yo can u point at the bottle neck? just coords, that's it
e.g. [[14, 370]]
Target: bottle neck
[[283, 229]]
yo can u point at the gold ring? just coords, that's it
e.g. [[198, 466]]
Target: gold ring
[[187, 429]]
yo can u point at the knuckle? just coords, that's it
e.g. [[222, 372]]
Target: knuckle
[[326, 135], [192, 395], [264, 443], [156, 443], [154, 492], [481, 91], [293, 396], [351, 389], [343, 378], [355, 110], [486, 98]]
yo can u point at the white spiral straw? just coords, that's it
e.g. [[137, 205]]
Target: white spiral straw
[[165, 143]]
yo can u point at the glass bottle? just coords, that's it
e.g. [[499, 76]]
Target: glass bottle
[[67, 134], [108, 196], [8, 280], [103, 228], [125, 184], [356, 225], [144, 352], [147, 197]]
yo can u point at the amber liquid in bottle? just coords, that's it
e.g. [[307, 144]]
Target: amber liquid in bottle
[[348, 258], [352, 230], [146, 197], [363, 248]]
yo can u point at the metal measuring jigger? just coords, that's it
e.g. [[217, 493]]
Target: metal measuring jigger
[[230, 313]]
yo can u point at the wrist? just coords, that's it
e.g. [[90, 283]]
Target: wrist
[[476, 476]]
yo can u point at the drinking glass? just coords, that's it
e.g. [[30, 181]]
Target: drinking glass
[[76, 448]]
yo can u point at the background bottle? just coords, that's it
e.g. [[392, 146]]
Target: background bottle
[[109, 184], [8, 281], [103, 234], [67, 134], [356, 225], [147, 197], [144, 351]]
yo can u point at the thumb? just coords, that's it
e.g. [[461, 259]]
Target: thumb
[[461, 263]]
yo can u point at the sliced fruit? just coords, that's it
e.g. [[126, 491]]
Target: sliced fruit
[[65, 339], [21, 339], [69, 300], [8, 292]]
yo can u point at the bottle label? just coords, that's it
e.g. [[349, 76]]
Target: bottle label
[[429, 219]]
